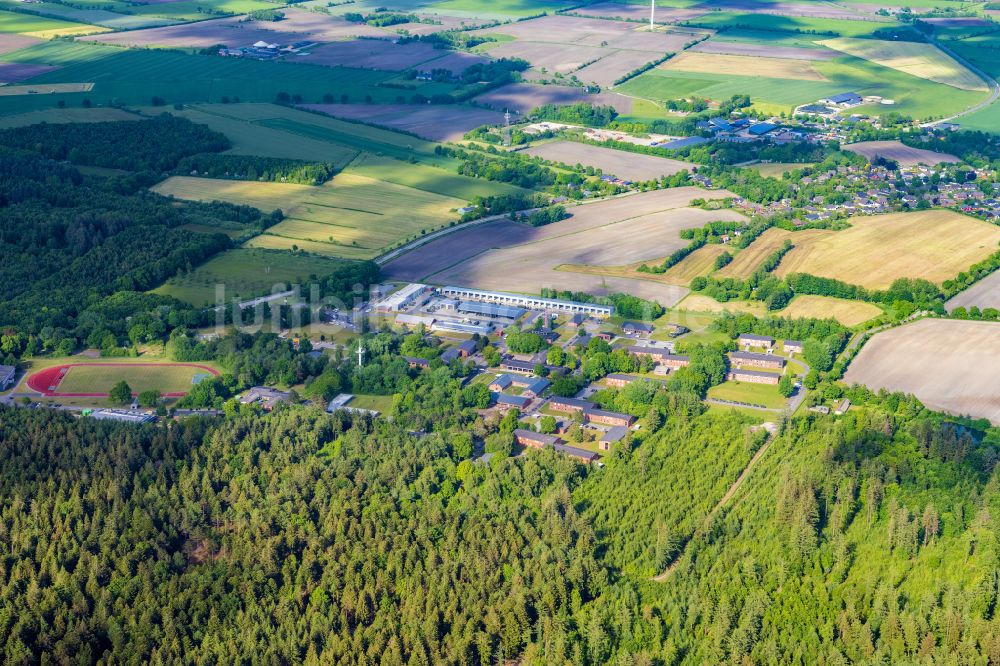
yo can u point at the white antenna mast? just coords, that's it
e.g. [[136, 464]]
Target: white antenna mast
[[506, 127], [361, 353]]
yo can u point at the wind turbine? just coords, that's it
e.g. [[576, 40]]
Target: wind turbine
[[652, 8]]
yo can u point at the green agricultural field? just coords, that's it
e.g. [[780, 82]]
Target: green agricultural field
[[428, 178], [245, 273], [67, 115], [135, 76], [101, 17], [913, 96], [196, 10], [351, 216], [766, 38], [147, 377], [793, 24], [497, 8], [40, 26]]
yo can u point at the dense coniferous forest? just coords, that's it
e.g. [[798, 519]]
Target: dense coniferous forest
[[305, 537]]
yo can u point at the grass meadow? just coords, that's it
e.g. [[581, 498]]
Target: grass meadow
[[245, 273]]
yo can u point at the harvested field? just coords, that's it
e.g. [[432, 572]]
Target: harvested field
[[454, 61], [13, 42], [228, 31], [466, 243], [747, 260], [848, 313], [918, 59], [96, 115], [894, 150], [561, 58], [612, 232], [45, 89], [95, 380], [736, 65], [436, 123], [757, 50], [351, 216], [13, 72], [562, 29], [982, 294], [298, 25], [611, 67], [630, 166], [699, 303], [523, 97], [699, 262], [371, 54], [949, 365], [934, 245]]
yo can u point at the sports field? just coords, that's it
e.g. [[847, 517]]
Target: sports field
[[918, 59], [95, 380], [934, 245], [949, 365], [350, 216], [244, 273]]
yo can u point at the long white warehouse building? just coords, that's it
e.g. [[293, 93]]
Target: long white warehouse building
[[529, 302]]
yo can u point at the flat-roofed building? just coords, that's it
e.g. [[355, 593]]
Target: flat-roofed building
[[528, 302], [490, 309]]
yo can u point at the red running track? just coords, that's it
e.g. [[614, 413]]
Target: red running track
[[47, 381]]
